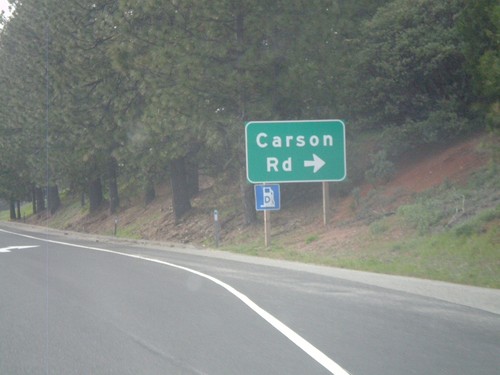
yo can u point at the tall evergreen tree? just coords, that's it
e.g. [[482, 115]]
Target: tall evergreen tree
[[479, 25], [93, 96], [23, 107], [411, 72]]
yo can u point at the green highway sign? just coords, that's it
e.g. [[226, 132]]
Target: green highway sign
[[295, 151]]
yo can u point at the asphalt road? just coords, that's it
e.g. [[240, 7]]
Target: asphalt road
[[77, 305]]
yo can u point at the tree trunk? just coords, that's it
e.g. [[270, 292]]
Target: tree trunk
[[180, 191], [95, 194], [40, 199], [149, 192], [33, 198], [12, 209], [18, 206], [53, 200], [192, 178], [114, 200], [247, 192]]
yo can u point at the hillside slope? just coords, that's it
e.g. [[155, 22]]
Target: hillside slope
[[415, 174], [432, 192]]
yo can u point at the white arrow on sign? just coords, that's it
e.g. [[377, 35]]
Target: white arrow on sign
[[317, 163], [8, 249]]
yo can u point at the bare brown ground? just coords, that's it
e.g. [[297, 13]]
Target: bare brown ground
[[300, 226]]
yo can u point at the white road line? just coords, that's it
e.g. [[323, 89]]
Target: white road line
[[294, 337]]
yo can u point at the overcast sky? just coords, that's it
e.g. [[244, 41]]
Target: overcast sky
[[4, 5]]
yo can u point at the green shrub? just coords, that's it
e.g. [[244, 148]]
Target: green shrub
[[421, 215], [379, 227], [489, 215], [468, 229], [311, 238], [381, 170], [476, 225], [356, 193]]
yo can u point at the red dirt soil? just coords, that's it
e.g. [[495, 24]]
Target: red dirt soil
[[415, 173], [453, 164], [302, 226]]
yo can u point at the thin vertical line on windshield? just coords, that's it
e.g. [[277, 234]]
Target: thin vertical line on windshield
[[47, 109]]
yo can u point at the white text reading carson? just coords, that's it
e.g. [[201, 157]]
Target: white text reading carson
[[264, 140]]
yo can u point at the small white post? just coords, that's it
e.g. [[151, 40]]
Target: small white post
[[216, 228]]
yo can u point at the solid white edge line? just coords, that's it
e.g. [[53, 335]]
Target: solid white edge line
[[290, 334]]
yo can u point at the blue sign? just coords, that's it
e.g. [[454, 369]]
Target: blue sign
[[267, 197]]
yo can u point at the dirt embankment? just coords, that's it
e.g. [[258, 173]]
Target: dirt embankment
[[298, 224]]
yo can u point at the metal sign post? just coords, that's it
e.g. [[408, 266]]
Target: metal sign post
[[267, 228], [326, 203]]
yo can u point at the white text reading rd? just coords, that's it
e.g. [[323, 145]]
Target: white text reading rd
[[263, 140]]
